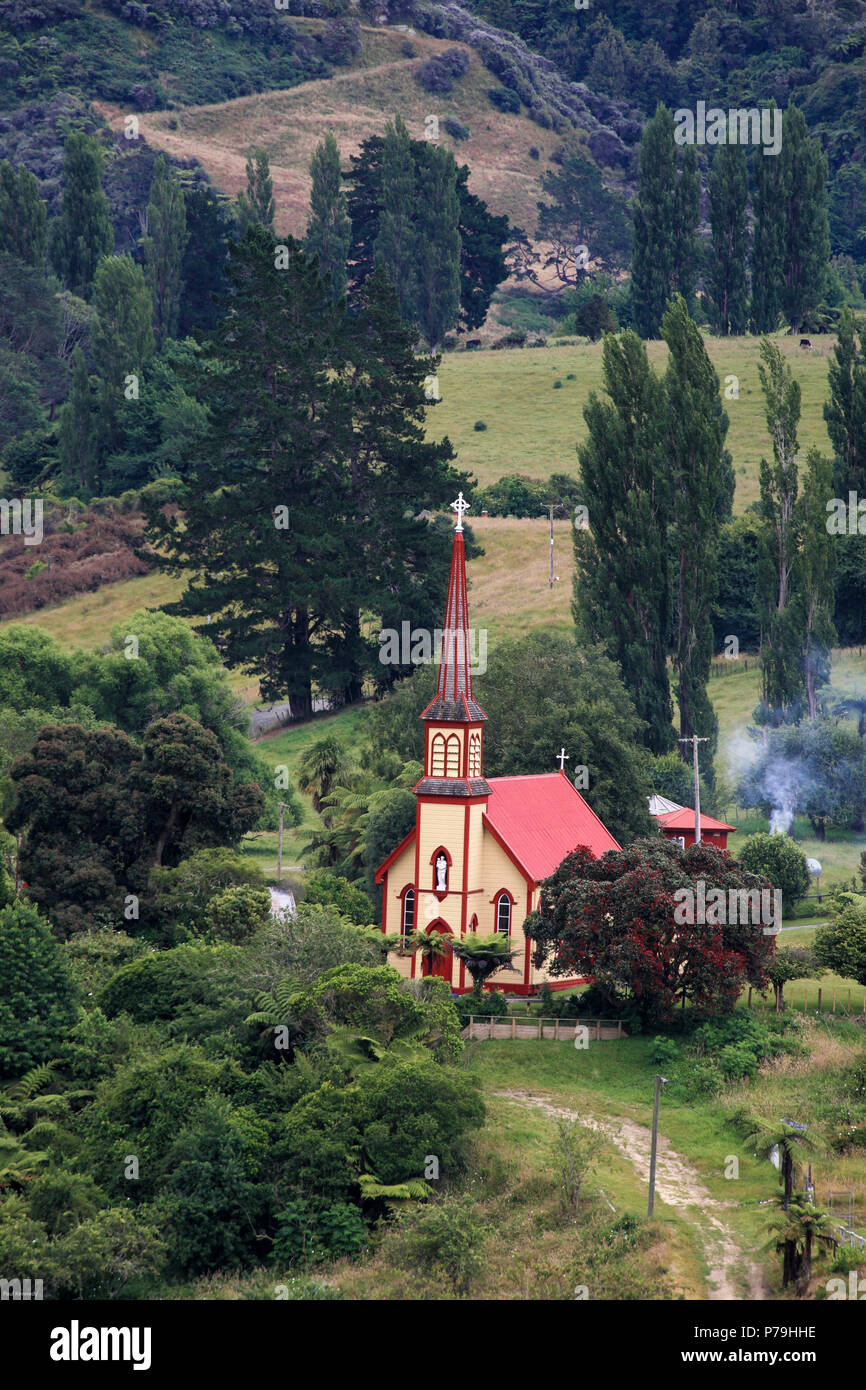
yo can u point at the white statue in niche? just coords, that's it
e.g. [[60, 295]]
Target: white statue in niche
[[441, 873]]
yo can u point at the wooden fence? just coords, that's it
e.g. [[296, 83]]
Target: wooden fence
[[559, 1029], [769, 1002]]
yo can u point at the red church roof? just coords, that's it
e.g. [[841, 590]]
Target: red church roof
[[540, 819], [684, 819]]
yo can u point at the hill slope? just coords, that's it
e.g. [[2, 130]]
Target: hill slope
[[355, 103]]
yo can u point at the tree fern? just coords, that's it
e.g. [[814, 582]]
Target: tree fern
[[412, 1190]]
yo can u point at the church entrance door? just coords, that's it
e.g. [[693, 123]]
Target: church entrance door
[[441, 963]]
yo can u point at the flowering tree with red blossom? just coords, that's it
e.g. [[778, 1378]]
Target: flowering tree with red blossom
[[616, 920]]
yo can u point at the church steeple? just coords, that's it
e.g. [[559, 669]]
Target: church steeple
[[453, 719], [453, 700]]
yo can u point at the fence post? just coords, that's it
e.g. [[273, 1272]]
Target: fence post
[[834, 1001], [819, 999], [556, 1031], [619, 1027], [513, 1026], [598, 1030], [540, 1023], [471, 1025]]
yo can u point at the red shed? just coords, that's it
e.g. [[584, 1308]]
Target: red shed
[[678, 823]]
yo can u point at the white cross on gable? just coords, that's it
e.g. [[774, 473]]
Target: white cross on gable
[[460, 506], [562, 758]]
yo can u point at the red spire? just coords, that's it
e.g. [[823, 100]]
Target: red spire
[[455, 675], [453, 698]]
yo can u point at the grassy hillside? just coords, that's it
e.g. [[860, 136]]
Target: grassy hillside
[[534, 429], [356, 103]]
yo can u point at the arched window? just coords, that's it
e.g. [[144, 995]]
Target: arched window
[[475, 755], [503, 914], [452, 768], [408, 920], [437, 756]]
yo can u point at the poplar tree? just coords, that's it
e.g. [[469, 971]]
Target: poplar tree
[[664, 247], [164, 247], [768, 242], [728, 189], [329, 231], [22, 216], [82, 234], [257, 206], [121, 336], [437, 302], [77, 438], [782, 673], [695, 430], [807, 236], [845, 410], [815, 574], [621, 583], [395, 246]]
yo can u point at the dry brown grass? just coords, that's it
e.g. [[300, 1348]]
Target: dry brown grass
[[355, 104]]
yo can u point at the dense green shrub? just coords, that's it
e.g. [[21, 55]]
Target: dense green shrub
[[309, 1232], [504, 100], [195, 988], [237, 913], [334, 891], [37, 994], [777, 858], [442, 1241], [456, 129]]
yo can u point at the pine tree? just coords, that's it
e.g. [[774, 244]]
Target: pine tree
[[329, 231], [782, 669], [77, 441], [22, 216], [815, 572], [257, 207], [695, 430], [807, 237], [621, 583], [768, 243], [438, 246], [82, 234], [304, 493], [164, 247], [664, 249], [395, 248], [728, 190], [845, 411]]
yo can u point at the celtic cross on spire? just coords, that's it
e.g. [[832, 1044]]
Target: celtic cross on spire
[[460, 506]]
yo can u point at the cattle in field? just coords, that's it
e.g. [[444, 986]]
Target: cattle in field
[[805, 342], [472, 344]]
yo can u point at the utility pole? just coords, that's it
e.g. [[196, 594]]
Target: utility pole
[[551, 545], [660, 1081], [280, 846], [550, 513], [694, 741]]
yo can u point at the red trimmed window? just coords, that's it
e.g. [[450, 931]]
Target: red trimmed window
[[452, 756], [407, 918], [437, 756], [503, 914], [474, 755]]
